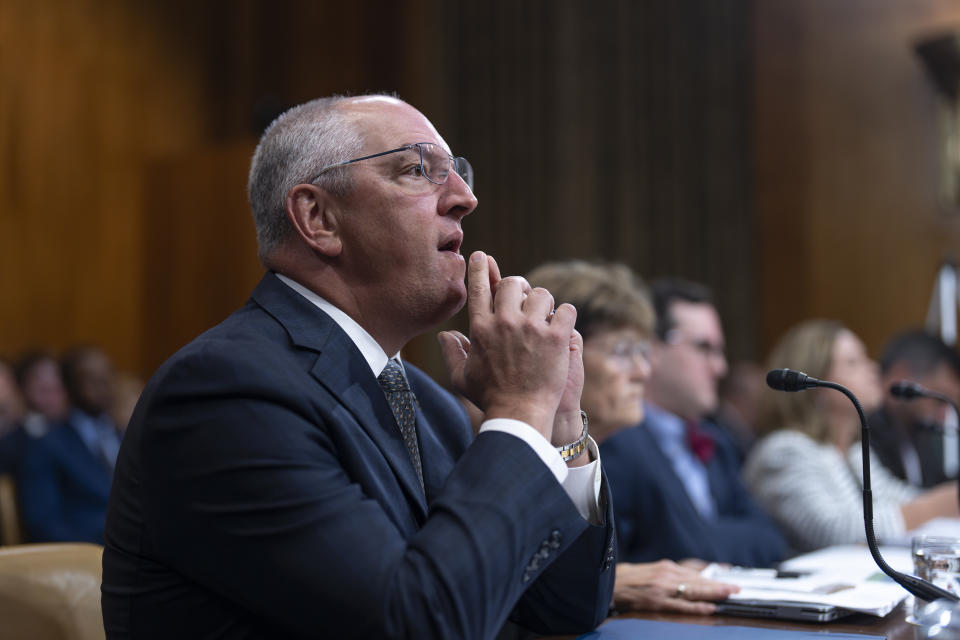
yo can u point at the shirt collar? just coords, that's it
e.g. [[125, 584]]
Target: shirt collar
[[663, 424], [372, 352], [87, 426]]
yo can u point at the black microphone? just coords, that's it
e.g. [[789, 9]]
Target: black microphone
[[910, 390], [906, 390], [790, 380]]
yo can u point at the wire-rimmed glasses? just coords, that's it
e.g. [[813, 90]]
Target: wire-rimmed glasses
[[435, 163]]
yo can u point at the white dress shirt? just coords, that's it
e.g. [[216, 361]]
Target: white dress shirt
[[582, 484]]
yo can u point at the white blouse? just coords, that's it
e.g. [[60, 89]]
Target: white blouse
[[816, 495]]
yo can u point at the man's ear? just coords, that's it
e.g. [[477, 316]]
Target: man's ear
[[313, 213]]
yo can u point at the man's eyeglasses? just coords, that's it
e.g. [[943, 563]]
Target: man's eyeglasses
[[702, 346], [433, 163]]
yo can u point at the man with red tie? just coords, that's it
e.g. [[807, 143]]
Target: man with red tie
[[675, 478]]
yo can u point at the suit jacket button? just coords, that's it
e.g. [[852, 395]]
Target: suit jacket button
[[555, 539]]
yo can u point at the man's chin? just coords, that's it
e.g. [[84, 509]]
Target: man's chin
[[458, 300], [454, 301]]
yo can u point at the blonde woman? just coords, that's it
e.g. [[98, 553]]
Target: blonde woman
[[806, 470]]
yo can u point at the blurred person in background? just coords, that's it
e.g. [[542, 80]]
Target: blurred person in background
[[907, 435], [807, 469], [676, 478], [616, 319], [740, 392], [11, 413], [41, 383], [65, 476]]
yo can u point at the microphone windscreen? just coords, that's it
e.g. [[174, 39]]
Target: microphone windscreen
[[906, 390], [789, 380]]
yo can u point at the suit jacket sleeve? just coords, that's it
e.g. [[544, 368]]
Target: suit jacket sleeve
[[656, 518], [247, 492], [576, 590]]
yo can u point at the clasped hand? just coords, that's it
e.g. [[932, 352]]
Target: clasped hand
[[524, 359]]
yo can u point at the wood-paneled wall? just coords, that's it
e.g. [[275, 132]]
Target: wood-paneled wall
[[614, 129], [847, 153], [88, 91], [125, 131]]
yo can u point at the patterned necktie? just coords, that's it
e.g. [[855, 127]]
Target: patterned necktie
[[401, 401]]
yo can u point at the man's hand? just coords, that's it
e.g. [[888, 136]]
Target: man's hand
[[656, 586], [573, 387], [568, 424], [516, 362]]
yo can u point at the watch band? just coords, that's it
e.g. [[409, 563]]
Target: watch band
[[574, 450]]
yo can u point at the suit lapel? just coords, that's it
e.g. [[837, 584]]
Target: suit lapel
[[361, 394], [342, 370], [671, 484], [435, 459]]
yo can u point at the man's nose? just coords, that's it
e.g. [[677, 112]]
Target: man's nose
[[458, 198]]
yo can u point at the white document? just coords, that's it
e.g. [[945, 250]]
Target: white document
[[843, 576]]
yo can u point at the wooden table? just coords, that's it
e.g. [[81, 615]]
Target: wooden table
[[893, 626]]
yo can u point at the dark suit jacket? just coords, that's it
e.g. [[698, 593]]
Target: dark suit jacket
[[656, 518], [12, 445], [885, 441], [63, 487], [263, 490]]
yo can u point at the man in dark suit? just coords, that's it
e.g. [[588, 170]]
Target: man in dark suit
[[64, 476], [907, 435], [279, 480], [676, 478]]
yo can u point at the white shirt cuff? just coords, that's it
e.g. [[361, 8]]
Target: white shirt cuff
[[582, 484]]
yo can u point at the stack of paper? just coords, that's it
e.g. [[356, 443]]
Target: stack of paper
[[842, 576]]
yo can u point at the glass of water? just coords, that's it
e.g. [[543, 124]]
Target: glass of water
[[936, 559]]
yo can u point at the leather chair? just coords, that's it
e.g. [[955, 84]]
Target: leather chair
[[51, 591]]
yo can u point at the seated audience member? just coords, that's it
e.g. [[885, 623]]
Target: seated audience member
[[41, 383], [907, 435], [286, 475], [11, 413], [65, 476], [676, 478], [616, 319], [807, 468]]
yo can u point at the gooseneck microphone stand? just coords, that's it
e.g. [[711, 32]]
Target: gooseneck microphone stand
[[789, 380]]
